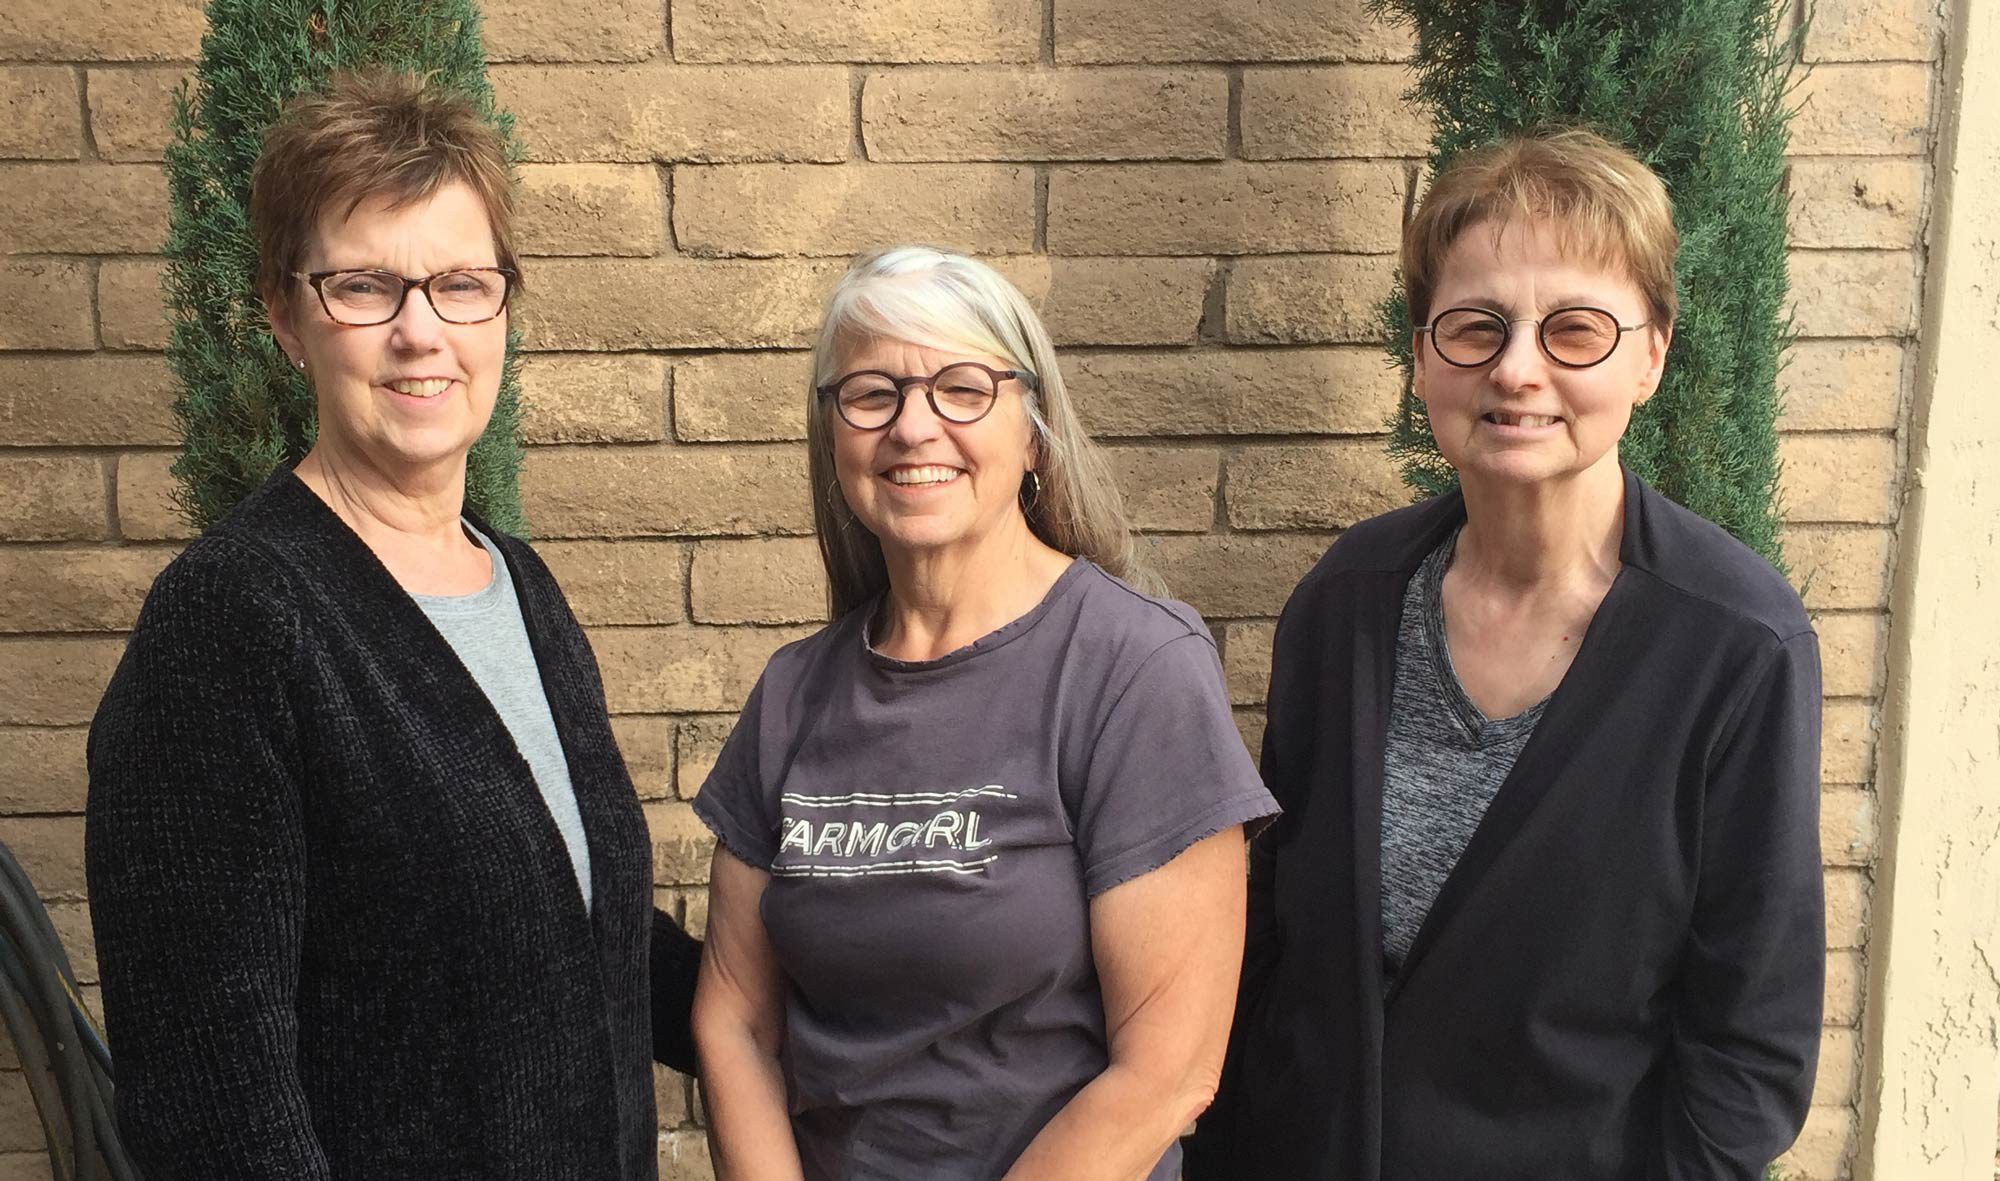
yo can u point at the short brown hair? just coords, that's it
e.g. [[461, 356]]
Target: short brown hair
[[1603, 202], [373, 133]]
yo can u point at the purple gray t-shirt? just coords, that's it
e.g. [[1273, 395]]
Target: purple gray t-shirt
[[935, 832]]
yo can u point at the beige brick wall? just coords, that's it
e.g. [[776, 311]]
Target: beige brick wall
[[1204, 197]]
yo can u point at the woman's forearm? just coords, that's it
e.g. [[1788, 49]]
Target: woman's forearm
[[743, 1093], [1117, 1128]]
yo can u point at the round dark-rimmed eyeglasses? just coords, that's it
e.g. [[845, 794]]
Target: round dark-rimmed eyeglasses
[[359, 299], [963, 392], [1575, 338]]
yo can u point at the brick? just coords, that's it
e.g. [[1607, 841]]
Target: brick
[[55, 681], [684, 669], [602, 31], [1841, 385], [746, 396], [77, 590], [671, 303], [1847, 908], [146, 507], [1235, 577], [765, 580], [1235, 391], [45, 770], [767, 209], [1246, 660], [579, 398], [1227, 208], [648, 746], [82, 209], [52, 498], [1041, 114], [40, 118], [1840, 567], [1122, 301], [131, 307], [1862, 110], [1825, 1148], [592, 209], [684, 1156], [1874, 30], [1847, 826], [1167, 489], [50, 850], [681, 844], [627, 582], [1313, 486], [72, 923], [20, 1124], [858, 31], [1224, 30], [650, 491], [1847, 741], [697, 744], [1840, 201], [1836, 1081], [1839, 478], [131, 111], [1250, 725], [670, 1096], [1308, 299], [85, 401], [666, 112], [695, 917], [133, 30], [1854, 292], [1846, 983], [45, 304], [1851, 650], [1314, 112]]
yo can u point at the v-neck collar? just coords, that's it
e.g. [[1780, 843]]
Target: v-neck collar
[[1533, 772], [286, 513]]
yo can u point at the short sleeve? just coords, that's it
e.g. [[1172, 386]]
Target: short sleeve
[[1168, 768], [733, 801]]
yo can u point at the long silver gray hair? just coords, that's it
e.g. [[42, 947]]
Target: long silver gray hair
[[940, 299]]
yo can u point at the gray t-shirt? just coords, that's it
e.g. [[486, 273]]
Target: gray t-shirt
[[486, 631], [1444, 762], [935, 832]]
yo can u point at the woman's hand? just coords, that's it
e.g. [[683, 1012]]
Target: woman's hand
[[1168, 946], [739, 1023]]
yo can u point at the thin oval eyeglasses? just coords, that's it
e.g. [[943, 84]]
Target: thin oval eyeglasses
[[1575, 338], [963, 392], [362, 298]]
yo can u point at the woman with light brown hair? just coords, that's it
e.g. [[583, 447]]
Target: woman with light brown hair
[[372, 890], [977, 907], [1545, 902]]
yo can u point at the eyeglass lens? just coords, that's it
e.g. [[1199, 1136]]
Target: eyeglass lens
[[1573, 336], [374, 297], [959, 393]]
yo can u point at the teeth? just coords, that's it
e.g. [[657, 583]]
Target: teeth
[[1528, 420], [429, 387], [932, 474]]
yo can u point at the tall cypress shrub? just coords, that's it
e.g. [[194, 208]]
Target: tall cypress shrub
[[1697, 89], [243, 412]]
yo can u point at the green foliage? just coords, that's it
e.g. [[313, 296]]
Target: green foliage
[[243, 411], [1697, 88]]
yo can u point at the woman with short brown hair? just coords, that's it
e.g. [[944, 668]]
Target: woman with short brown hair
[[1545, 901], [371, 887]]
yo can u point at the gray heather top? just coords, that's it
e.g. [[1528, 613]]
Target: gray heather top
[[486, 631], [1443, 764]]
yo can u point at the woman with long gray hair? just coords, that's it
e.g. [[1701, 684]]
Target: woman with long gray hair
[[977, 906]]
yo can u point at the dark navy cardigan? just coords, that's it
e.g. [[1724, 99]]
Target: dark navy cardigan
[[338, 931], [1621, 978]]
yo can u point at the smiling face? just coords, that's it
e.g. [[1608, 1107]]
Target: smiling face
[[1523, 418], [923, 483], [409, 397]]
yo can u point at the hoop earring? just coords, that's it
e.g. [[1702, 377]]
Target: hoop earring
[[1033, 490]]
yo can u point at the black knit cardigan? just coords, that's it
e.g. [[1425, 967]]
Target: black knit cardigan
[[339, 934]]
